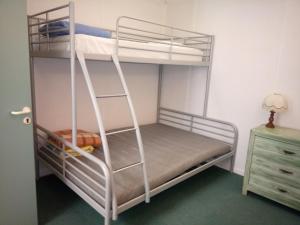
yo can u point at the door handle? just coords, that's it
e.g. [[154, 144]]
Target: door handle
[[25, 110]]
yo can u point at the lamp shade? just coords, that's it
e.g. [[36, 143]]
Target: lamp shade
[[275, 102]]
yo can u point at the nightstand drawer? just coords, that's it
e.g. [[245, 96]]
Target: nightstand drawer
[[278, 192], [277, 151], [282, 174]]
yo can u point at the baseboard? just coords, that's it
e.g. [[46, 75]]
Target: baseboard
[[239, 171], [226, 166]]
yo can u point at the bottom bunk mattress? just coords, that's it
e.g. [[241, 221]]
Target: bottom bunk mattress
[[169, 152]]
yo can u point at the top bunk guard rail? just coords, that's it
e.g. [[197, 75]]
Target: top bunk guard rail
[[38, 38], [129, 28], [48, 21], [50, 10]]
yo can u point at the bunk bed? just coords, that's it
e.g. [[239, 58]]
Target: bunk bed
[[138, 162]]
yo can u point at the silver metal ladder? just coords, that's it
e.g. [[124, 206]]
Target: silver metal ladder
[[103, 132]]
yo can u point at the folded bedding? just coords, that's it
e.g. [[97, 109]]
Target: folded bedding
[[87, 141], [88, 149], [60, 28]]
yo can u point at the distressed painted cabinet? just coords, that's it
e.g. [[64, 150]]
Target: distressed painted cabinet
[[273, 165]]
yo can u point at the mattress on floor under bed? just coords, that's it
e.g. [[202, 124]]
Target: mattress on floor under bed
[[169, 152]]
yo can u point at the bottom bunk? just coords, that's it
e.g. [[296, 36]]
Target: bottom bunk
[[172, 155]]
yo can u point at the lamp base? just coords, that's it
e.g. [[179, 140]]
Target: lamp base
[[271, 119]]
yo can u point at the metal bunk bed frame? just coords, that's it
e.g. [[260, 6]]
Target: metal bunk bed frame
[[221, 130]]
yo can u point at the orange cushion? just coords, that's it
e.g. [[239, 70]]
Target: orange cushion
[[84, 138]]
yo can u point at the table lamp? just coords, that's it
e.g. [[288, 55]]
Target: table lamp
[[274, 103]]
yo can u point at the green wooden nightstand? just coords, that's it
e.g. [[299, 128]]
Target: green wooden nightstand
[[273, 165]]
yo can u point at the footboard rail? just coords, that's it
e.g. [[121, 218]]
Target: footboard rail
[[86, 174], [217, 129]]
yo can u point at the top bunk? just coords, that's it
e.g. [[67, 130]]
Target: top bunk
[[53, 33]]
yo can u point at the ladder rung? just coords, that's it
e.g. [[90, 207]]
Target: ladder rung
[[111, 96], [120, 131], [127, 167]]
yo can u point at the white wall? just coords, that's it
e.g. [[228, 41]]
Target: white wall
[[104, 13], [257, 52], [52, 79], [53, 94]]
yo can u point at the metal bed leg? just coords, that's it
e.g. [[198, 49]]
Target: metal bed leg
[[159, 90], [232, 162], [73, 74], [208, 78], [106, 220], [37, 169], [34, 122]]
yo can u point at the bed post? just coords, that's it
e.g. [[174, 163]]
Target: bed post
[[208, 77], [160, 76], [33, 104], [73, 76], [234, 148]]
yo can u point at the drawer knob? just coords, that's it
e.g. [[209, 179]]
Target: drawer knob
[[285, 171], [287, 152], [282, 190]]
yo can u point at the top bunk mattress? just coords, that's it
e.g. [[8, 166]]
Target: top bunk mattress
[[144, 52]]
